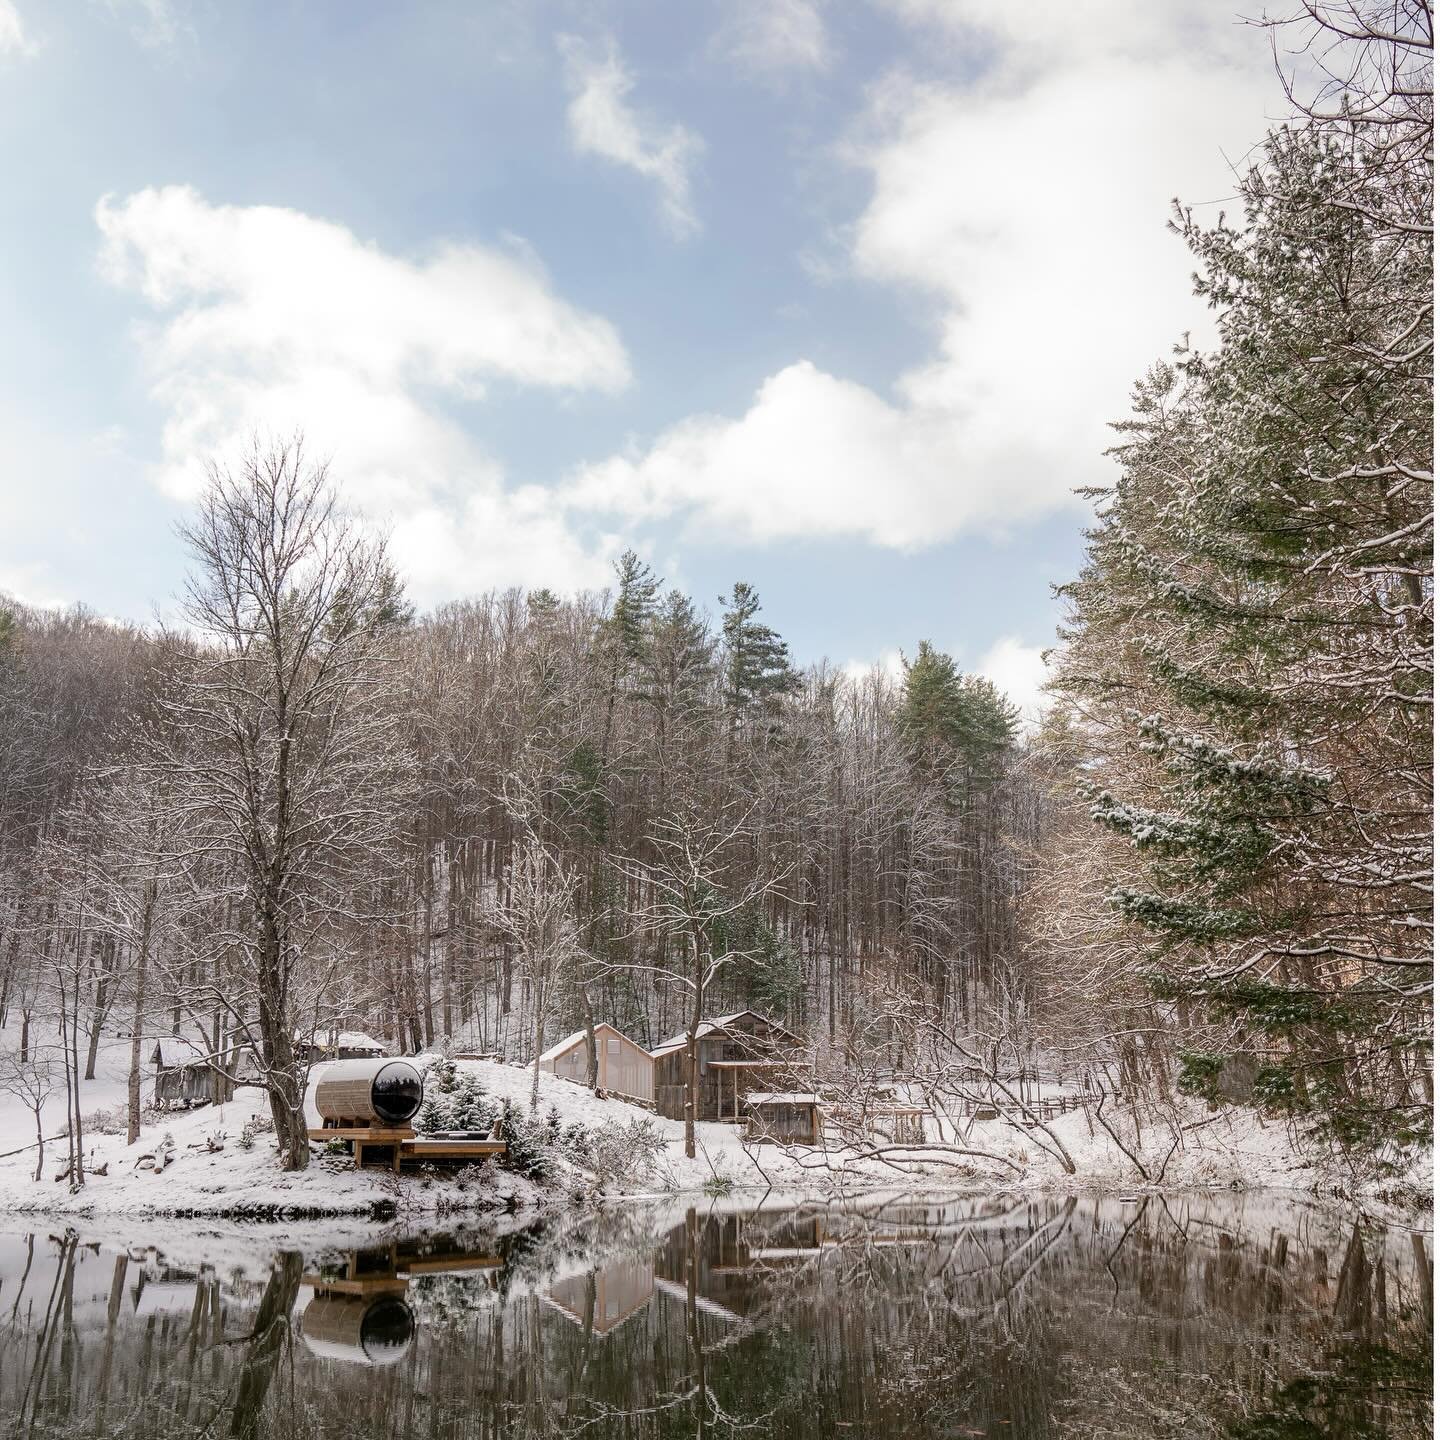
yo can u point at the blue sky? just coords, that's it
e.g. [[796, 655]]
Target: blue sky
[[836, 298]]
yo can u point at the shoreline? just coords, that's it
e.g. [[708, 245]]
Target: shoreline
[[509, 1207], [221, 1169]]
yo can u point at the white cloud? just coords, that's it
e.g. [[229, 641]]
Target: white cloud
[[32, 585], [1026, 212], [891, 664], [769, 36], [13, 39], [269, 319], [1020, 671], [603, 122]]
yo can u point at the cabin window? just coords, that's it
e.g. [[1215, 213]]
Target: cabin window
[[614, 1046]]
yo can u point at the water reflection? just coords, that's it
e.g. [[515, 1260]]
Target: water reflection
[[1064, 1317]]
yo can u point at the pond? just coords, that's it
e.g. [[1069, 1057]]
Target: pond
[[1181, 1315]]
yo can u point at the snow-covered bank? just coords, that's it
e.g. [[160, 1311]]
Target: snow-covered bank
[[212, 1174]]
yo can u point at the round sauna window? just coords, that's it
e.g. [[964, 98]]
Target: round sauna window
[[386, 1330], [396, 1092]]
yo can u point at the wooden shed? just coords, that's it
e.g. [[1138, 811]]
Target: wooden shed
[[340, 1045], [624, 1069], [182, 1072], [737, 1053], [783, 1117]]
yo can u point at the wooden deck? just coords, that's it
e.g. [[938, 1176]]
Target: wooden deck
[[401, 1146]]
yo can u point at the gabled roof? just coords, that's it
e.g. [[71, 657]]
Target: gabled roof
[[173, 1051], [345, 1040], [709, 1027], [561, 1046]]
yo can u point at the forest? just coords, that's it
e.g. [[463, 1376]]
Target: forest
[[299, 804]]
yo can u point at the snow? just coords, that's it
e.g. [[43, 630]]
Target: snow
[[1233, 1149], [707, 1027], [173, 1051], [346, 1040]]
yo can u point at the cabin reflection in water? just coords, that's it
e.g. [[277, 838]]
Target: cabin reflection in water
[[728, 1257]]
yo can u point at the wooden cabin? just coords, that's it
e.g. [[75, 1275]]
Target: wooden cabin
[[786, 1117], [183, 1074], [737, 1054], [340, 1045], [623, 1068]]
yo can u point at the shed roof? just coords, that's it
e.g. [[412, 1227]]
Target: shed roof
[[561, 1046], [346, 1040], [709, 1027], [173, 1051]]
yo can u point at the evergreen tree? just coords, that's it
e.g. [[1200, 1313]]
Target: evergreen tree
[[626, 633], [757, 669], [1250, 644], [945, 716]]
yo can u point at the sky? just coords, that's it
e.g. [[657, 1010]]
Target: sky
[[836, 298]]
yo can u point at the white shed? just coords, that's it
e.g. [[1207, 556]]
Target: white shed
[[624, 1069]]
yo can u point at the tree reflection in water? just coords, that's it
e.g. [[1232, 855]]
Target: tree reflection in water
[[1055, 1317]]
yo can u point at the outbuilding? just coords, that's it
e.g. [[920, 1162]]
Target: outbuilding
[[737, 1054], [784, 1117], [183, 1074], [623, 1068], [341, 1045]]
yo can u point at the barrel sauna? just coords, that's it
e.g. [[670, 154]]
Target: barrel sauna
[[368, 1093], [370, 1330]]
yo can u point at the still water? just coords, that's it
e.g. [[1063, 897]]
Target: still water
[[1175, 1316]]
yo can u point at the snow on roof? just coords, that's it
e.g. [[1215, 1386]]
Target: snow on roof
[[159, 1297], [709, 1027], [172, 1051], [561, 1046], [346, 1040], [781, 1097]]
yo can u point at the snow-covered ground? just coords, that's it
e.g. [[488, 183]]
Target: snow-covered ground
[[1235, 1150]]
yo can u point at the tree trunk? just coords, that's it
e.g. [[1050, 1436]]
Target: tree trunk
[[137, 1014]]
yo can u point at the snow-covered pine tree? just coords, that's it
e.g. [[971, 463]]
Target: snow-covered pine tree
[[1250, 640]]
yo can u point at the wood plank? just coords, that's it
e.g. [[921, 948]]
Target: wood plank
[[371, 1285], [450, 1149], [377, 1135], [442, 1265]]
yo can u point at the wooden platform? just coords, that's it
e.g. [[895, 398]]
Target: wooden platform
[[402, 1146], [422, 1149]]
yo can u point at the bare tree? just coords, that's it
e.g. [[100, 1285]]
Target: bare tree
[[283, 748], [30, 1079], [685, 896], [536, 913]]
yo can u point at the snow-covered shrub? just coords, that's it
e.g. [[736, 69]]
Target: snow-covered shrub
[[465, 1107], [470, 1107], [442, 1077], [525, 1149], [575, 1142], [246, 1139], [108, 1120], [625, 1151]]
